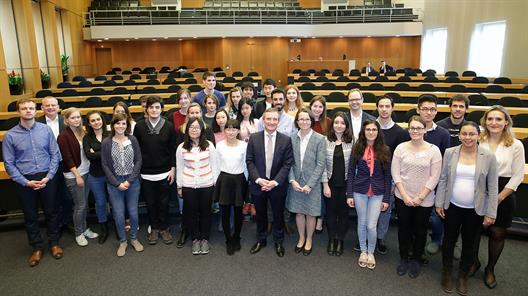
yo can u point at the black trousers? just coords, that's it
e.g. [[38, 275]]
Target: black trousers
[[277, 206], [30, 205], [156, 195], [197, 214], [460, 220], [337, 213], [65, 201], [412, 228], [225, 211]]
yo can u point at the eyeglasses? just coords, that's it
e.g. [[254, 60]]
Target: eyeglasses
[[468, 135], [431, 110], [371, 130], [194, 128], [416, 129]]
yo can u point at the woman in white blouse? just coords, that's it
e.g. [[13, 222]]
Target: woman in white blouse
[[509, 152], [196, 175], [231, 186]]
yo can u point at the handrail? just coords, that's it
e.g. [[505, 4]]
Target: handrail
[[251, 16]]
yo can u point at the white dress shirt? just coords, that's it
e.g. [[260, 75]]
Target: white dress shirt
[[356, 124], [303, 143], [54, 125]]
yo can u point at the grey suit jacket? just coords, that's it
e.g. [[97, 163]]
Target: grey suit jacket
[[313, 163], [486, 181]]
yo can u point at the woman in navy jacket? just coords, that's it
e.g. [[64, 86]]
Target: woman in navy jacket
[[369, 186]]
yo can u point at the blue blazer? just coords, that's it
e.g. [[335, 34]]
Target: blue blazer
[[256, 162]]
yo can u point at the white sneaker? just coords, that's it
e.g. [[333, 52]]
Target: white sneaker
[[137, 245], [122, 249], [90, 234], [81, 240]]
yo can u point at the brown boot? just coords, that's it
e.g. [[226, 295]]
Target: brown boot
[[461, 286], [447, 281]]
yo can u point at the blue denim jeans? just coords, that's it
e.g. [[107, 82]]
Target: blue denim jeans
[[98, 187], [437, 229], [368, 210], [80, 203], [121, 199]]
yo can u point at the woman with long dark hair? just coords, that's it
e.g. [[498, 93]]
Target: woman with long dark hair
[[339, 142], [246, 117], [197, 173], [369, 186], [95, 134], [235, 95], [219, 124]]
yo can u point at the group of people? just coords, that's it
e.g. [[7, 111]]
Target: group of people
[[282, 158]]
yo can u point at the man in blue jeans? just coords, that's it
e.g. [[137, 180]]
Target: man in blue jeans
[[31, 158]]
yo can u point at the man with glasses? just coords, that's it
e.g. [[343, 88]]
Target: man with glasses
[[357, 116], [439, 136], [52, 118]]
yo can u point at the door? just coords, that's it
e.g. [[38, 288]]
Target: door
[[103, 58]]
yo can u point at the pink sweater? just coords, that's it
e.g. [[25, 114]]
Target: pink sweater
[[416, 171]]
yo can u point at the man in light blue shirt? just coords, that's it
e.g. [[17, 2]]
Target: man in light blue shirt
[[31, 158], [209, 81], [286, 124]]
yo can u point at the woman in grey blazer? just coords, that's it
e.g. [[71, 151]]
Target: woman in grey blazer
[[466, 197], [304, 193]]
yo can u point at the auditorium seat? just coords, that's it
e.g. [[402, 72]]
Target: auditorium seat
[[247, 78], [452, 79], [190, 81], [12, 107], [520, 120], [308, 86], [363, 79], [187, 75], [352, 85], [510, 102], [195, 88], [237, 74], [147, 90], [468, 73], [478, 100], [173, 88], [217, 69], [451, 73], [220, 74], [306, 96], [432, 79], [494, 88], [120, 91], [304, 73], [229, 79], [457, 88], [113, 100], [429, 72], [395, 97], [426, 87], [152, 76], [402, 87], [85, 83], [336, 97], [126, 72], [409, 114], [480, 79], [502, 80], [68, 93], [169, 81], [475, 116], [173, 99], [338, 72], [354, 72], [97, 92], [382, 79], [110, 73], [136, 69], [343, 79], [117, 77], [321, 79], [64, 84], [79, 78], [129, 82], [92, 102], [296, 71], [43, 93], [253, 74], [369, 97], [9, 123], [134, 76], [328, 86], [405, 79], [100, 78], [376, 86], [152, 82]]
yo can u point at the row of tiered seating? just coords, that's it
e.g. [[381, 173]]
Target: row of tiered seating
[[246, 4]]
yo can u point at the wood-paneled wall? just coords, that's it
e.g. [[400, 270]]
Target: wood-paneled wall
[[397, 51], [268, 56], [310, 3]]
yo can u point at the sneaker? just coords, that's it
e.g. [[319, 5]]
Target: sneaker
[[371, 261], [403, 267], [195, 249], [90, 234], [137, 245], [432, 248], [153, 237], [381, 248], [362, 261], [81, 240], [414, 269], [166, 236], [204, 247], [122, 249]]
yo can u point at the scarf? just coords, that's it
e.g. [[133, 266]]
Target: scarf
[[154, 130], [368, 157]]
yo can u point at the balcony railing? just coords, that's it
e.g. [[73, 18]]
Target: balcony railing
[[264, 16]]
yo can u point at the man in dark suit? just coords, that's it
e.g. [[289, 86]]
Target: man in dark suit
[[269, 158], [55, 121], [267, 87], [385, 68], [356, 116], [368, 69]]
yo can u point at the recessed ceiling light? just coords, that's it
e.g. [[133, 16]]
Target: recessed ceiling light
[[136, 38], [154, 39], [179, 39], [99, 40], [106, 39], [397, 35], [313, 37], [369, 36], [165, 37], [127, 39], [195, 37], [340, 36]]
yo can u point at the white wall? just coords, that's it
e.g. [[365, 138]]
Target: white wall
[[9, 37], [460, 18], [39, 35]]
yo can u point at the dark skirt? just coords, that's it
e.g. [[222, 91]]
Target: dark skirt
[[231, 189], [506, 207]]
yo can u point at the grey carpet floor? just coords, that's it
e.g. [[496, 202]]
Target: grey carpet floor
[[167, 270]]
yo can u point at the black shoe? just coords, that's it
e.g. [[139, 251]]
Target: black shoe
[[103, 233], [474, 268], [331, 248], [230, 248], [318, 231], [357, 248], [182, 239], [307, 252], [236, 244], [489, 279], [381, 248], [403, 267], [424, 261], [339, 248], [298, 249], [257, 247], [414, 269], [279, 249]]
